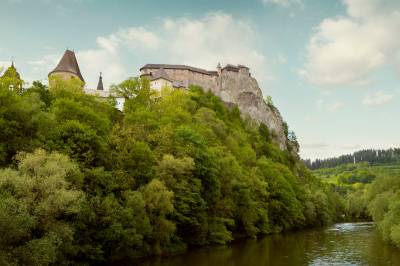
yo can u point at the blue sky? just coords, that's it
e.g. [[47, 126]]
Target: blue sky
[[331, 67]]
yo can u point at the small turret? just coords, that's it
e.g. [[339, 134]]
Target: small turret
[[219, 68], [100, 83], [244, 70]]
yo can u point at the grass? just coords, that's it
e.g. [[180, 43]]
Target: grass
[[335, 174]]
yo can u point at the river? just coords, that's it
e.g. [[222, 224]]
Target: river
[[340, 244]]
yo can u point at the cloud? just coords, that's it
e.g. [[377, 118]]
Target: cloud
[[281, 59], [137, 37], [333, 107], [201, 42], [351, 147], [312, 146], [107, 56], [215, 37], [4, 65], [283, 3], [97, 60], [348, 50], [377, 98], [329, 106]]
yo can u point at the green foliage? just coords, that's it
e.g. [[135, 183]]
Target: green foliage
[[369, 191], [38, 203], [371, 156], [384, 206], [61, 87], [170, 172], [11, 80]]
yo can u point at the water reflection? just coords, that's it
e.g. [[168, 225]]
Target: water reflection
[[341, 244]]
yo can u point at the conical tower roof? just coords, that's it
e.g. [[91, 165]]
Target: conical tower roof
[[100, 84], [68, 63]]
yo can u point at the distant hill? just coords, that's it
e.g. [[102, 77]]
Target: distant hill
[[356, 173], [370, 156]]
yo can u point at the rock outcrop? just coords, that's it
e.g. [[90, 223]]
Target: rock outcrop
[[243, 90]]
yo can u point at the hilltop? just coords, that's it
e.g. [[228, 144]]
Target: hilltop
[[372, 156], [83, 183]]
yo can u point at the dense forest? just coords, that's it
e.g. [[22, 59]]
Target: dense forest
[[82, 183], [370, 156], [369, 191]]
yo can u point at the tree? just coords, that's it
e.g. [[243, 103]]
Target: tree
[[12, 80], [62, 87], [136, 91], [158, 202], [37, 204]]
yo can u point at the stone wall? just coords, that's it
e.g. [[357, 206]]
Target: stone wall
[[62, 75], [187, 77]]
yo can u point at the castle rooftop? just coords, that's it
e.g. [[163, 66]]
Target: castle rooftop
[[100, 86], [180, 67], [68, 63]]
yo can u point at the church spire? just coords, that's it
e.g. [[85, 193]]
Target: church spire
[[100, 83]]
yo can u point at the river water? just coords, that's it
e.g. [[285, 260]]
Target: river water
[[340, 244]]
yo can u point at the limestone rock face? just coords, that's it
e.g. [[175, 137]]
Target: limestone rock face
[[244, 91]]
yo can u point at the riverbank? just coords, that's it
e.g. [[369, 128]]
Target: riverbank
[[340, 244]]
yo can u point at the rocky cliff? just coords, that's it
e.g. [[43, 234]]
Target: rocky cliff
[[244, 91]]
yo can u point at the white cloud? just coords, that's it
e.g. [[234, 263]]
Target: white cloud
[[312, 146], [351, 147], [335, 106], [332, 106], [97, 60], [377, 98], [215, 37], [347, 50], [139, 37], [203, 42], [4, 65]]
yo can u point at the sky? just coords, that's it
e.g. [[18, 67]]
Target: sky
[[331, 67]]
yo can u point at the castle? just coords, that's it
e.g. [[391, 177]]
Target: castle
[[68, 68], [233, 84], [182, 76]]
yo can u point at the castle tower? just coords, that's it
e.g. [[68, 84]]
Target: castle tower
[[100, 83], [219, 77], [219, 68], [12, 79], [67, 68]]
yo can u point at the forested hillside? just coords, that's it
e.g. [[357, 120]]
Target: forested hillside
[[371, 156], [369, 192], [82, 183]]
